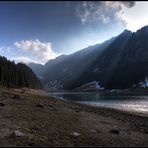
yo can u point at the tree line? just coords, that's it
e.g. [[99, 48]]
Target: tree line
[[17, 75]]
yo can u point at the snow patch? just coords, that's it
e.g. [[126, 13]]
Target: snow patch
[[93, 84], [144, 84]]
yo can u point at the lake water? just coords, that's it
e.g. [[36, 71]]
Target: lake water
[[138, 104]]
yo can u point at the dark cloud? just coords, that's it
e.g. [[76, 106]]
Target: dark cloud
[[129, 4]]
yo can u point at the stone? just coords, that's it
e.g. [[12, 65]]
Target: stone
[[2, 103], [93, 131], [77, 111], [1, 93], [115, 131], [51, 105], [17, 97], [17, 133], [40, 105], [76, 134]]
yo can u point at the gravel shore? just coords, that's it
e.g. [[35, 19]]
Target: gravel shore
[[28, 118]]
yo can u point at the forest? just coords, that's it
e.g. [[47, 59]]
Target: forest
[[17, 75]]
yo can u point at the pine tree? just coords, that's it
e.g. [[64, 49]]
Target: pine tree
[[17, 75]]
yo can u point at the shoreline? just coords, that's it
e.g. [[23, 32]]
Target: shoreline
[[116, 112], [34, 119], [130, 112]]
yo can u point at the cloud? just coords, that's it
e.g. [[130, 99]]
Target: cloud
[[22, 59], [103, 11], [120, 4], [137, 16], [41, 50], [5, 49]]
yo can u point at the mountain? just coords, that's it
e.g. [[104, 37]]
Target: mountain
[[118, 63], [66, 69], [123, 63], [17, 75], [37, 68]]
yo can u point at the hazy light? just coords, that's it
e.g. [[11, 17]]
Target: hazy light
[[137, 16]]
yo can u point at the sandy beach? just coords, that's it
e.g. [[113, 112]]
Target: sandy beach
[[28, 118]]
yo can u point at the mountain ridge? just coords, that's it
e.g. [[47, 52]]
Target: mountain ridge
[[113, 63]]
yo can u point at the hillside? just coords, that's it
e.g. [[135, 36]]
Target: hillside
[[118, 63], [63, 71], [37, 68], [17, 75]]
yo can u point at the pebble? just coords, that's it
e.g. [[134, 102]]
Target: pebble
[[76, 134], [51, 105], [93, 131], [40, 105]]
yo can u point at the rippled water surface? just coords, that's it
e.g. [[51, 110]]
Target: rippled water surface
[[137, 104]]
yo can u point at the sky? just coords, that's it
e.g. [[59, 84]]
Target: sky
[[36, 31]]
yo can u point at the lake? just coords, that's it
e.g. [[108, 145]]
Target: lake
[[138, 104]]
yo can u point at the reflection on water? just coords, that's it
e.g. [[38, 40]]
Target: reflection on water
[[137, 104]]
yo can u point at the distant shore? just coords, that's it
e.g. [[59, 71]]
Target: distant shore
[[29, 118]]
